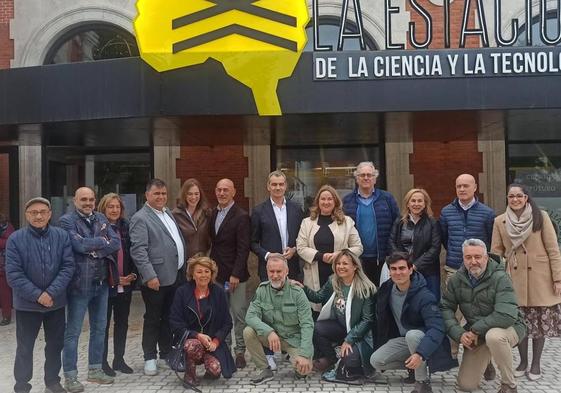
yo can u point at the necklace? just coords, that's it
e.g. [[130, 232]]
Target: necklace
[[201, 295]]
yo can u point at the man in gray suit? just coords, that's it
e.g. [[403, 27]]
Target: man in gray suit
[[158, 251]]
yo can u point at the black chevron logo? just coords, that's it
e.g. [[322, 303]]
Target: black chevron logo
[[223, 6]]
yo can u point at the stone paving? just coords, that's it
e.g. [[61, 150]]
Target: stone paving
[[167, 382]]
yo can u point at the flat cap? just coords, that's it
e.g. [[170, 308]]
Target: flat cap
[[37, 200]]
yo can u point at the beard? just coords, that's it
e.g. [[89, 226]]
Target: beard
[[476, 272], [277, 284]]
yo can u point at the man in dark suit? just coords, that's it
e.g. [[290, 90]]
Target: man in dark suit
[[230, 234], [158, 251], [274, 227]]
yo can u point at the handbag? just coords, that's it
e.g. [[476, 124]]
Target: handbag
[[176, 357]]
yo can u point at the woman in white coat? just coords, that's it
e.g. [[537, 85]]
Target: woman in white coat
[[322, 236]]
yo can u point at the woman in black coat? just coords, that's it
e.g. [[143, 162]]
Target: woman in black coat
[[200, 309], [120, 296], [417, 233]]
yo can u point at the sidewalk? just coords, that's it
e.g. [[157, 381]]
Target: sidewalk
[[167, 382]]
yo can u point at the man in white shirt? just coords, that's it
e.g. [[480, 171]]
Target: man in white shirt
[[158, 251], [274, 228]]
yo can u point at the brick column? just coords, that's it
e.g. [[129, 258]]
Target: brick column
[[6, 44]]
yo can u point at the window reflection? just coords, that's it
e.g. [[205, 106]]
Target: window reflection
[[313, 150], [91, 43], [534, 157]]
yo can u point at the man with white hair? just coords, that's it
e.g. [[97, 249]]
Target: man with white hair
[[280, 318], [483, 291], [374, 212]]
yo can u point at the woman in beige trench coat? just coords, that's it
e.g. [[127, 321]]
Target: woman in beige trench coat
[[525, 236]]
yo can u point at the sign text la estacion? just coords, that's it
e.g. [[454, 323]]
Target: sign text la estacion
[[513, 55]]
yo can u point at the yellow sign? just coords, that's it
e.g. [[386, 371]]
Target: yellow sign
[[258, 42]]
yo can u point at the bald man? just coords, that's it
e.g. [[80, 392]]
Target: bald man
[[230, 235], [465, 218], [94, 245]]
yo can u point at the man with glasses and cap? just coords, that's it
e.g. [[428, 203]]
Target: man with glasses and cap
[[39, 267]]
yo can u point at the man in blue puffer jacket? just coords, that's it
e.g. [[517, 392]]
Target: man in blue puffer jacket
[[465, 218], [410, 331], [374, 212], [39, 267]]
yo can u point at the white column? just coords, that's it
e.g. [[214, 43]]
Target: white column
[[166, 152], [30, 160]]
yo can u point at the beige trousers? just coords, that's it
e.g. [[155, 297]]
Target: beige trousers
[[498, 345], [254, 345]]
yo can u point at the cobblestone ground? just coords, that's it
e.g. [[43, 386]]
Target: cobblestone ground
[[167, 382]]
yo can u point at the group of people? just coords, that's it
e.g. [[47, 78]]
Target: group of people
[[350, 289]]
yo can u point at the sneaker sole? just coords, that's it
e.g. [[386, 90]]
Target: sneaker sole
[[99, 381], [263, 380], [151, 373], [79, 390]]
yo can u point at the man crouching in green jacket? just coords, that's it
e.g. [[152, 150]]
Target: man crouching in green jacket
[[280, 318], [483, 291]]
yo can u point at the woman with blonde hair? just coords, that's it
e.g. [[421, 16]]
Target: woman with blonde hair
[[525, 236], [111, 205], [323, 235], [192, 215], [417, 233], [346, 317], [201, 315]]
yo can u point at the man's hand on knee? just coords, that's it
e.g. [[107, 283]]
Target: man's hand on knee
[[274, 342], [303, 365]]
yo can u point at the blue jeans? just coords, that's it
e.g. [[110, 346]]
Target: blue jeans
[[95, 302]]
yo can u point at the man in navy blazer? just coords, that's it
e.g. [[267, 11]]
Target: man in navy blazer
[[230, 234], [274, 227], [158, 250]]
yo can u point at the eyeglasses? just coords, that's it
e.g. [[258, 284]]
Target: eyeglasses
[[517, 196], [365, 175], [35, 213]]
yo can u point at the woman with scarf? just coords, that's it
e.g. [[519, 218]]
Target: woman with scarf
[[346, 317], [524, 235]]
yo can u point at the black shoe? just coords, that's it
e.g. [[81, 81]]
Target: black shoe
[[55, 388], [5, 321], [490, 373], [410, 377], [422, 387], [122, 367], [108, 370]]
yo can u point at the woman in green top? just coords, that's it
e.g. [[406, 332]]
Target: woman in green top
[[346, 317]]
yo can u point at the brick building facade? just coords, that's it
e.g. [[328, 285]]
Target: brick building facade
[[117, 152]]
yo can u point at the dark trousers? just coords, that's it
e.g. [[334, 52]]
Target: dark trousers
[[330, 332], [156, 331], [372, 269], [28, 324], [119, 306], [5, 297]]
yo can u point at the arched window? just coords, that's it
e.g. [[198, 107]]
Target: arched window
[[92, 42], [329, 35]]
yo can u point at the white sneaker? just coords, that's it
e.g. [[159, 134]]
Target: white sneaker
[[150, 367], [162, 364], [271, 362]]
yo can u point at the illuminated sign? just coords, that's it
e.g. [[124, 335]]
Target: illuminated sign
[[258, 42]]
